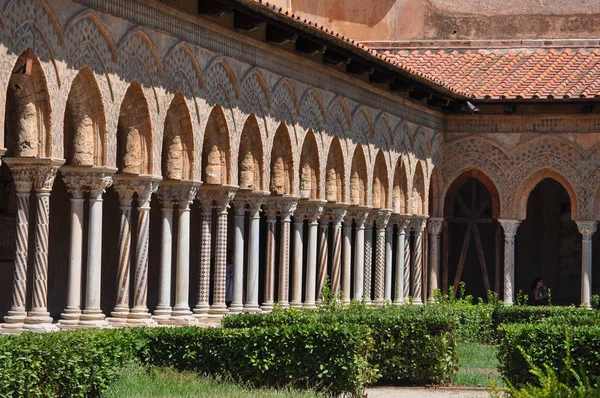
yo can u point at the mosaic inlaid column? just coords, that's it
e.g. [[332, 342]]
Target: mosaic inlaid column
[[383, 217], [23, 180], [401, 266], [254, 203], [346, 259], [269, 291], [92, 315], [313, 210], [139, 314], [434, 226], [202, 302], [185, 194], [222, 196], [287, 207], [337, 213], [125, 189], [323, 255], [417, 260], [510, 231], [39, 317], [587, 230], [368, 257], [360, 218], [408, 269], [163, 310]]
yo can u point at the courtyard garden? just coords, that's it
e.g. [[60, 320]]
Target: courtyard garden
[[519, 351]]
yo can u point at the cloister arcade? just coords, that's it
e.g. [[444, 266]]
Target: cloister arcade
[[139, 164]]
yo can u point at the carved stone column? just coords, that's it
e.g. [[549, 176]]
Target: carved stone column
[[323, 255], [337, 212], [221, 196], [254, 201], [23, 180], [510, 231], [185, 194], [312, 210], [287, 208], [368, 267], [145, 186], [347, 259], [360, 215], [43, 179], [434, 226], [402, 267], [408, 267], [587, 230], [419, 224], [163, 310], [383, 217], [206, 207]]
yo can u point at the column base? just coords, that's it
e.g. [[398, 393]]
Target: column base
[[217, 310], [15, 317], [267, 307], [309, 306], [39, 322], [118, 317], [398, 302], [140, 317], [93, 319], [183, 320], [69, 319], [508, 303], [162, 312], [378, 301], [252, 308], [236, 308], [296, 304], [284, 304]]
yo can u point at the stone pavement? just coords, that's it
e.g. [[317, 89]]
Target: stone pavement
[[416, 392]]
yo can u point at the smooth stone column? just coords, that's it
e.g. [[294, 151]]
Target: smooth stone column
[[222, 195], [269, 292], [298, 233], [163, 310], [408, 269], [237, 304], [323, 255], [587, 230], [401, 266], [337, 216], [39, 317], [434, 226], [510, 231], [139, 314], [346, 259], [71, 314], [23, 180], [313, 210], [368, 267], [125, 190], [389, 239], [92, 316], [254, 201], [287, 208], [417, 275], [181, 314], [360, 218], [383, 217]]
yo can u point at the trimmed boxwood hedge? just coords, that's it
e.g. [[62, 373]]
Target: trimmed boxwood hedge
[[411, 344], [548, 344]]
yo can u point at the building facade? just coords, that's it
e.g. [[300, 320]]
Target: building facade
[[150, 151]]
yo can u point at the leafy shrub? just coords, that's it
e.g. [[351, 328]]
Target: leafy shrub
[[411, 344], [527, 347]]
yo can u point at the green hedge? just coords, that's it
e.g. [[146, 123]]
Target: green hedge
[[547, 344], [411, 344], [328, 358]]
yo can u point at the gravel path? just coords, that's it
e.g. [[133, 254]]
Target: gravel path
[[412, 392]]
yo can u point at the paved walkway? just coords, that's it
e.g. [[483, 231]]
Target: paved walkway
[[415, 392]]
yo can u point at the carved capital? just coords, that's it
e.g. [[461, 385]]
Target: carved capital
[[252, 200], [335, 212], [217, 196], [434, 225], [359, 214], [285, 205], [404, 221], [510, 227], [383, 217], [182, 192], [75, 185], [309, 209], [371, 218], [587, 228], [36, 172], [418, 223], [80, 179], [143, 185]]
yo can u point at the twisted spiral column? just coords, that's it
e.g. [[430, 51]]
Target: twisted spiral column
[[337, 215], [368, 260], [380, 252], [408, 267], [323, 255], [402, 268], [360, 216], [312, 210], [417, 276]]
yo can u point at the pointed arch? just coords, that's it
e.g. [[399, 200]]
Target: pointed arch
[[84, 123], [134, 133], [380, 182], [418, 190], [309, 168], [27, 113], [216, 154], [461, 179], [334, 183], [139, 32], [250, 157], [178, 144], [400, 195], [358, 178], [94, 23], [533, 180], [221, 84], [282, 176]]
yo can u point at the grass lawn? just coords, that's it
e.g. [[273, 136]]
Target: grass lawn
[[477, 365], [137, 381]]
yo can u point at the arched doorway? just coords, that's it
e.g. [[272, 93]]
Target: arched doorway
[[471, 238], [548, 244]]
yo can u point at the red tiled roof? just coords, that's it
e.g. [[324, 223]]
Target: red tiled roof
[[509, 74]]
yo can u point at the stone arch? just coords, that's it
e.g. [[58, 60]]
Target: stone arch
[[216, 155], [358, 178], [87, 27], [533, 180], [221, 84], [134, 135], [27, 115], [465, 176], [400, 195], [418, 191], [435, 189], [282, 176], [380, 182], [313, 113], [309, 168], [250, 157], [334, 184], [84, 123], [363, 124], [178, 143]]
